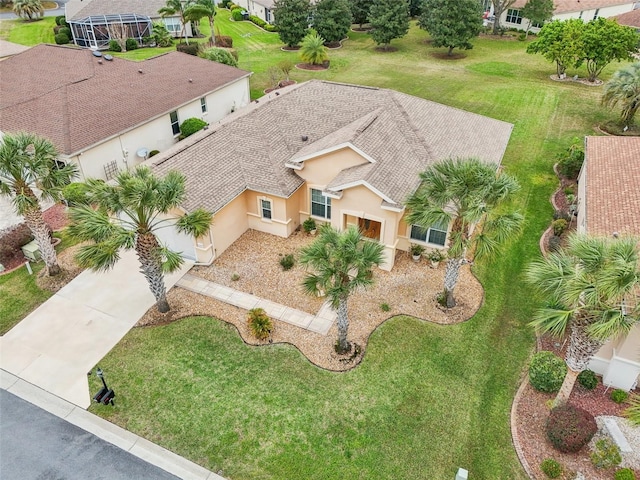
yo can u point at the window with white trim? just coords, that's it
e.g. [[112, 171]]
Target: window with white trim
[[595, 15], [320, 204], [175, 123], [435, 234], [513, 16], [172, 24], [203, 104], [265, 209]]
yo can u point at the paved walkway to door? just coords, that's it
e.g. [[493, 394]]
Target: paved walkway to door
[[56, 345]]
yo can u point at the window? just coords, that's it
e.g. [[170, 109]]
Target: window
[[580, 16], [595, 15], [265, 209], [203, 105], [320, 205], [175, 123], [435, 234], [513, 16], [173, 24]]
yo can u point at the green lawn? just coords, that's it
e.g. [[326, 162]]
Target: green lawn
[[19, 295], [28, 33]]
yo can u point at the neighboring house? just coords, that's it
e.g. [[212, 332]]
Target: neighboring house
[[107, 115], [259, 8], [609, 205], [630, 19], [341, 154], [93, 22], [565, 9], [8, 49]]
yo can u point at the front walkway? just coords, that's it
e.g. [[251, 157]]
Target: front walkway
[[319, 323], [58, 343]]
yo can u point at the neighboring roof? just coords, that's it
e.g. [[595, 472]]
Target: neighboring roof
[[265, 3], [93, 101], [400, 133], [568, 6], [79, 9], [8, 49], [612, 185], [630, 19]]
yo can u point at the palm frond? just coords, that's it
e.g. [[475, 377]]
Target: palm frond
[[553, 320], [98, 256], [196, 223], [171, 261]]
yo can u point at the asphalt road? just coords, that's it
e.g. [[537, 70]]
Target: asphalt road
[[47, 13], [36, 445]]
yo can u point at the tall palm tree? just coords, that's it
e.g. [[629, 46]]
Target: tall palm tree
[[210, 6], [593, 288], [188, 10], [127, 215], [624, 89], [343, 262], [27, 166], [28, 9], [465, 193]]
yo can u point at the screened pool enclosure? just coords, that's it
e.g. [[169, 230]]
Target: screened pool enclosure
[[96, 31]]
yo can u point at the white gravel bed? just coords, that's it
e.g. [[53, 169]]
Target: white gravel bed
[[630, 432]]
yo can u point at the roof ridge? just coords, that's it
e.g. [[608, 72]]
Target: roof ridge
[[420, 139]]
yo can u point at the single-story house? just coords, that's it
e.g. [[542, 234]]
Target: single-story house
[[609, 205], [92, 21], [107, 114], [259, 8], [566, 9], [9, 49], [630, 19], [338, 153]]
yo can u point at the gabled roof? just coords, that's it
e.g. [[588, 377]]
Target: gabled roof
[[569, 6], [68, 96], [8, 49], [79, 9], [630, 19], [612, 185], [402, 134]]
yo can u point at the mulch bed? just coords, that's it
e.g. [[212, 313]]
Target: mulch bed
[[386, 49], [583, 81], [444, 56], [308, 66], [287, 48]]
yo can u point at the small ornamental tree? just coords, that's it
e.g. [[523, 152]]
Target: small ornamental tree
[[537, 12], [389, 19], [360, 11], [312, 50], [292, 19], [332, 19], [560, 42], [624, 89], [605, 41], [452, 23]]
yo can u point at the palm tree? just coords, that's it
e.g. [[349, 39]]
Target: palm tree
[[28, 9], [624, 89], [312, 49], [343, 262], [188, 11], [591, 287], [466, 193], [27, 165], [211, 13], [127, 215]]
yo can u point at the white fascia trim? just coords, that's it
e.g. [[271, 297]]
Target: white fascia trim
[[333, 149], [399, 209], [358, 183], [294, 166], [335, 195]]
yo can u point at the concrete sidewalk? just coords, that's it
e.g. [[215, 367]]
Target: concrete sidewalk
[[58, 343], [319, 323]]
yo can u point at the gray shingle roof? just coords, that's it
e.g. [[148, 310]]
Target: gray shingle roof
[[568, 6], [403, 134], [79, 9], [83, 102]]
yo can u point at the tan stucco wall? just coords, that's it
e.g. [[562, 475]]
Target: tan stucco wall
[[279, 222], [319, 171], [582, 199], [618, 361], [229, 223]]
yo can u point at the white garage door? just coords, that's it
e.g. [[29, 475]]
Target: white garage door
[[176, 241]]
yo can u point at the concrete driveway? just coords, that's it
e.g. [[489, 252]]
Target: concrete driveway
[[57, 344]]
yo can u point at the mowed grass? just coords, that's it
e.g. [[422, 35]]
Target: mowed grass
[[28, 33], [19, 295]]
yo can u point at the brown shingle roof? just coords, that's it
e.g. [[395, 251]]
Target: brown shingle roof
[[630, 19], [65, 95], [403, 134], [612, 185], [568, 6], [8, 48], [79, 9]]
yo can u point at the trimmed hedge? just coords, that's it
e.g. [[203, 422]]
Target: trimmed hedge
[[190, 48], [191, 126], [547, 372], [570, 428], [114, 46], [131, 44], [61, 39], [237, 14], [588, 380]]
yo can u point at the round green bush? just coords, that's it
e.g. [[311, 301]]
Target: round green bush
[[551, 468], [66, 31], [624, 474], [76, 194], [619, 396], [570, 428], [114, 46], [131, 44], [61, 39], [547, 372], [588, 380], [61, 20], [220, 55], [191, 126], [237, 15]]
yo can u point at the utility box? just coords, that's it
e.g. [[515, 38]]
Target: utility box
[[31, 251], [462, 474]]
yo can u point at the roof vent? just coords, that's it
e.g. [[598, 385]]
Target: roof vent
[[108, 57], [140, 70], [305, 138], [191, 80], [96, 53]]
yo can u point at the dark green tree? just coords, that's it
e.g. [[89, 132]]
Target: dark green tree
[[605, 41], [415, 8], [389, 19], [560, 42], [332, 19], [499, 7], [537, 12], [360, 11], [292, 19], [452, 23]]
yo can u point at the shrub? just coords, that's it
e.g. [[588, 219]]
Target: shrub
[[633, 411], [259, 323], [551, 468], [224, 41], [287, 262], [522, 37], [65, 30], [309, 225], [190, 48], [559, 226], [237, 14], [153, 153], [570, 428], [385, 307], [220, 55], [588, 379], [11, 239], [624, 474], [235, 277], [606, 454], [257, 20], [61, 20], [270, 28], [547, 372], [75, 194], [619, 396], [131, 44], [554, 243], [570, 162], [61, 39], [191, 126], [224, 3], [560, 214], [312, 49], [114, 46]]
